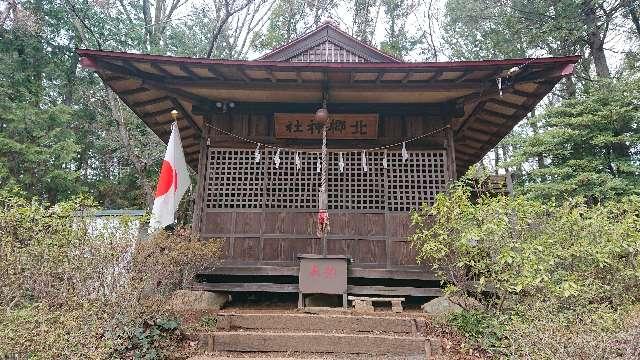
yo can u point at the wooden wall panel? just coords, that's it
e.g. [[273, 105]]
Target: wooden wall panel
[[392, 126], [258, 125], [402, 253], [371, 252], [246, 249], [357, 224], [284, 222], [275, 249], [399, 225], [218, 223], [342, 247], [248, 222]]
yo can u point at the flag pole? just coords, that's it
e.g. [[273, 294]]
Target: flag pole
[[174, 127]]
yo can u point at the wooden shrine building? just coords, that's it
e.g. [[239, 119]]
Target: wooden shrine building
[[447, 114]]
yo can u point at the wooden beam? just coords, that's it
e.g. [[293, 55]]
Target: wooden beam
[[355, 86], [215, 72], [151, 102], [393, 290], [299, 77], [189, 72], [509, 105], [481, 116], [436, 76], [407, 77], [177, 92], [496, 114], [134, 91], [186, 115], [240, 287], [161, 70], [153, 114], [379, 77], [114, 78], [465, 75], [271, 76], [242, 75]]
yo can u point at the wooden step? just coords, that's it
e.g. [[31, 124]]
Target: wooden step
[[319, 323], [254, 341]]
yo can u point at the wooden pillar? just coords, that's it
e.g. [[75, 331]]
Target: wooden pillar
[[451, 154], [201, 189]]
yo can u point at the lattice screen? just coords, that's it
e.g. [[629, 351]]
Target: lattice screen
[[287, 187], [416, 180], [327, 52], [356, 189], [235, 180]]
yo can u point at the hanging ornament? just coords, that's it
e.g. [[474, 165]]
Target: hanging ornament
[[384, 160], [499, 80], [297, 160], [257, 154], [405, 154], [340, 162], [365, 168], [318, 165], [276, 158]]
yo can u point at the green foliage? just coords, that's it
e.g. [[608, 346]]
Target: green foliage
[[144, 341], [589, 145], [513, 245], [74, 289], [569, 268], [209, 321], [479, 327], [397, 40]]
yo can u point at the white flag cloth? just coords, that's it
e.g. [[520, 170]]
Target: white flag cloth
[[172, 183]]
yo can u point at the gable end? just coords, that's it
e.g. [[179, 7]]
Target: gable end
[[337, 46]]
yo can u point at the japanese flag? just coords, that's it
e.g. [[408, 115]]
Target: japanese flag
[[172, 184]]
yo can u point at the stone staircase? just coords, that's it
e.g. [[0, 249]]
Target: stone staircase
[[265, 335]]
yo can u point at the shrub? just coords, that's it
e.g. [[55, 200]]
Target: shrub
[[72, 288], [559, 278], [571, 253]]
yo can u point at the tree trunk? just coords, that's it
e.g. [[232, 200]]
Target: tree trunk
[[633, 13], [595, 39]]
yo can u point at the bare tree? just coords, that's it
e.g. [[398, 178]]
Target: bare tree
[[224, 10], [139, 164]]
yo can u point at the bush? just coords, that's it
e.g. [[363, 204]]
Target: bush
[[564, 274], [72, 288]]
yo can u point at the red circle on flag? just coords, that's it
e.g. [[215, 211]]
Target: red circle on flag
[[165, 181]]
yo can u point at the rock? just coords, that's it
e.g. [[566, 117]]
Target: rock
[[447, 305], [189, 300]]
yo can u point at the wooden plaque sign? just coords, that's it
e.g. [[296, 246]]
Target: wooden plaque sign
[[341, 126]]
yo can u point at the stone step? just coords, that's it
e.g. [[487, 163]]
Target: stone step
[[252, 341], [320, 323]]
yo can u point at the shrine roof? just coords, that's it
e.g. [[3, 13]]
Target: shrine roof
[[153, 85]]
